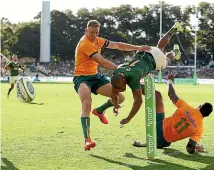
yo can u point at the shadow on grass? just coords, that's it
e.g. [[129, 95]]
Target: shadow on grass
[[36, 103], [135, 167], [153, 163], [33, 103], [202, 158], [8, 165], [159, 163]]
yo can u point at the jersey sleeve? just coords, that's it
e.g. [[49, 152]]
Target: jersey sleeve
[[197, 136], [103, 42], [88, 49], [180, 103]]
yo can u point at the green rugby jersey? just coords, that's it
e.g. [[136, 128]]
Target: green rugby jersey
[[142, 64], [14, 68]]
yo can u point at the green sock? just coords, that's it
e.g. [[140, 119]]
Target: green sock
[[86, 126], [105, 106], [10, 89], [173, 31]]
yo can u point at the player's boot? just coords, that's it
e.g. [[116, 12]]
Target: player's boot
[[177, 52], [101, 116], [178, 26], [89, 144], [139, 144]]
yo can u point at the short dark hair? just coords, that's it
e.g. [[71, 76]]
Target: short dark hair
[[206, 109], [93, 23], [115, 80]]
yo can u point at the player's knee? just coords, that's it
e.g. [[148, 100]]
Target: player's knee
[[121, 98], [87, 104], [12, 86], [170, 55]]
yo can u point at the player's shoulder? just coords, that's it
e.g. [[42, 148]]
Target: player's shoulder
[[84, 44], [10, 63], [101, 39], [180, 101]]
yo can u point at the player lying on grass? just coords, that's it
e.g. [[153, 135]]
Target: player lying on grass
[[14, 68], [186, 121], [143, 63]]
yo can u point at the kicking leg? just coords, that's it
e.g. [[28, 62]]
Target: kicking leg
[[105, 90]]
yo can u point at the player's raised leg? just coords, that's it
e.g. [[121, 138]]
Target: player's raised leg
[[84, 93], [177, 27], [105, 90]]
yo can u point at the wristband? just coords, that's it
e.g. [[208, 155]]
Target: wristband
[[169, 81]]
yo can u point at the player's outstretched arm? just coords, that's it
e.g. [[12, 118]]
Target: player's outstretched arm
[[127, 47], [103, 62], [137, 95], [6, 67], [193, 147], [115, 98], [171, 91]]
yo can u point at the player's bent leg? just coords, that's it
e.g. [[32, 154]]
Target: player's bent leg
[[177, 27], [159, 102], [164, 41], [84, 93], [175, 54], [105, 90]]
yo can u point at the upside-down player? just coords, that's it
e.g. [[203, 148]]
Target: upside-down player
[[185, 122], [144, 62], [14, 68]]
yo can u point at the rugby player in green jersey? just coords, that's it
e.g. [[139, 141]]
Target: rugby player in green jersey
[[14, 68], [142, 64]]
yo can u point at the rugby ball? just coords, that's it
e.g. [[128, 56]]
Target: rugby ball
[[25, 89]]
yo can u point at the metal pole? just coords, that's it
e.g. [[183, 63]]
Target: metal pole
[[195, 77], [45, 32], [196, 25], [161, 16], [161, 10]]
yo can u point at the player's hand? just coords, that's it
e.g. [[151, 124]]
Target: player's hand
[[124, 121], [200, 148], [171, 75], [115, 110], [144, 48]]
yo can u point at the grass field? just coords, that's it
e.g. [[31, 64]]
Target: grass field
[[47, 134]]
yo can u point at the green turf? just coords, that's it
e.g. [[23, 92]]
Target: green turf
[[47, 134]]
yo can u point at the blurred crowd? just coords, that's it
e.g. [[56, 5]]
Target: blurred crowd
[[205, 69]]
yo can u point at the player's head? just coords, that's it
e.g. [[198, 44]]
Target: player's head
[[15, 58], [118, 82], [205, 109], [92, 30]]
